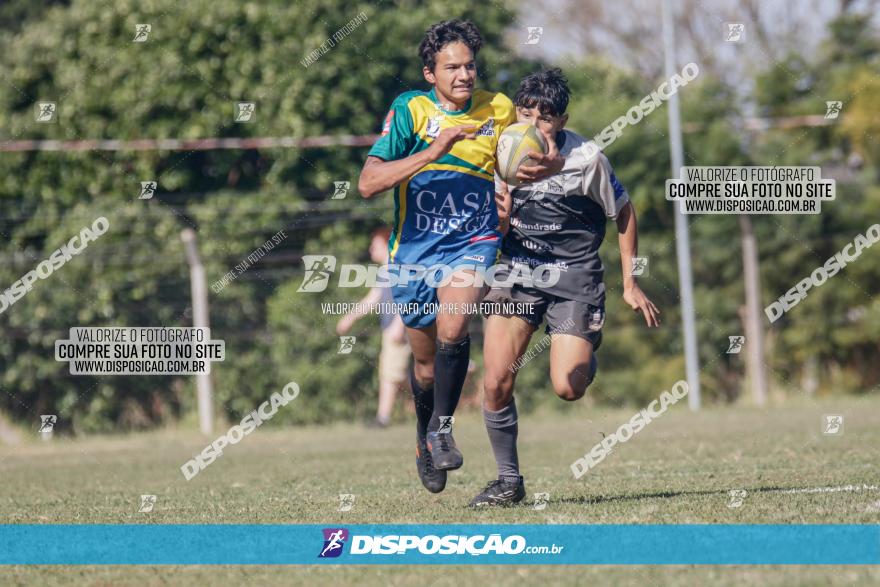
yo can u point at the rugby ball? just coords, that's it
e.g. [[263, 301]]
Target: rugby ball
[[513, 149]]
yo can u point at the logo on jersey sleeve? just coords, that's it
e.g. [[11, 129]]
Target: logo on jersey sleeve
[[433, 130], [487, 129], [618, 187], [386, 127]]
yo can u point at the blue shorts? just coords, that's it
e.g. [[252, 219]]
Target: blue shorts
[[417, 298]]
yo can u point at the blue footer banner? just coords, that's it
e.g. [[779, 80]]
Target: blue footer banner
[[241, 544]]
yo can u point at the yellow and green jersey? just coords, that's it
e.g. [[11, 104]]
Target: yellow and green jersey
[[450, 203]]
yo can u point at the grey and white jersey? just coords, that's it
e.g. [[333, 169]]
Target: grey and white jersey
[[561, 220]]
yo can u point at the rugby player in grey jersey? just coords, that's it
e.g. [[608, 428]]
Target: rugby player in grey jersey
[[558, 221]]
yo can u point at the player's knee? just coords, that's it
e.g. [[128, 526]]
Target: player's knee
[[452, 327], [452, 332], [569, 390], [497, 389], [424, 371], [571, 384], [569, 393]]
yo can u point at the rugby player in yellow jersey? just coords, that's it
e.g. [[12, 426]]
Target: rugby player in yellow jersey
[[437, 151]]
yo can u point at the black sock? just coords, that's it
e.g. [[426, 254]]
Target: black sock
[[424, 401], [450, 369]]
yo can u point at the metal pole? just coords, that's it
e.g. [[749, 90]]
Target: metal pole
[[682, 238], [199, 291], [754, 327]]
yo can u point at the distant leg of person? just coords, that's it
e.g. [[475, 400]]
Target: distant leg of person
[[393, 371], [387, 394]]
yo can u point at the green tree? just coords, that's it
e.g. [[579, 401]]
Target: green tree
[[200, 58]]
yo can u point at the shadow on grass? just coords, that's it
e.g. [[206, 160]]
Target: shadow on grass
[[600, 499]]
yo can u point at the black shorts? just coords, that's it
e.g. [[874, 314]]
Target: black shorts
[[563, 316]]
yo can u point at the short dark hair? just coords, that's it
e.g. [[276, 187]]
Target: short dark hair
[[443, 33], [546, 90]]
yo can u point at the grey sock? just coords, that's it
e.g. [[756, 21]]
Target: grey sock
[[502, 428]]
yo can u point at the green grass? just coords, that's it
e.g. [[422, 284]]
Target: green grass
[[678, 470]]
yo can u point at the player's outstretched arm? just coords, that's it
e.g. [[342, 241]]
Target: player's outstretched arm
[[379, 175], [629, 245]]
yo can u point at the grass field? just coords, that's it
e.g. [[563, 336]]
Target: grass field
[[678, 470]]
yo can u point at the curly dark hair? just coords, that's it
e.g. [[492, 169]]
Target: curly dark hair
[[443, 33], [546, 90]]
